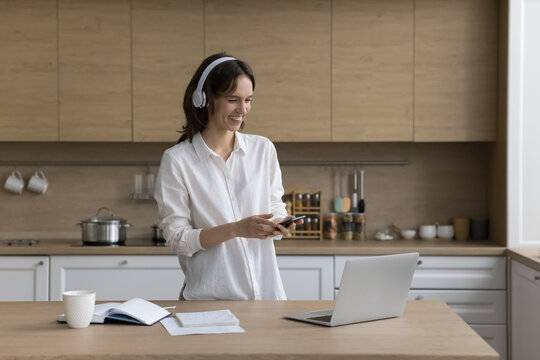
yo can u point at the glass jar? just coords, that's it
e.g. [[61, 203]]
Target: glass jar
[[330, 226], [315, 223], [316, 200], [307, 224], [306, 203], [298, 202], [359, 226], [347, 222]]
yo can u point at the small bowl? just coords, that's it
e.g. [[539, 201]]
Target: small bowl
[[408, 234]]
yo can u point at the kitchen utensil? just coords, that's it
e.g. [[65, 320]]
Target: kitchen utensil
[[362, 203], [38, 183], [104, 230], [445, 232], [354, 200], [408, 234], [461, 228], [79, 307], [157, 234], [14, 183], [346, 199], [338, 200], [428, 232]]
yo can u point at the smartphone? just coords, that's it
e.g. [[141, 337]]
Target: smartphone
[[289, 221]]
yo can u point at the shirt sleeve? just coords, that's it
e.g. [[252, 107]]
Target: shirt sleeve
[[276, 188], [174, 212]]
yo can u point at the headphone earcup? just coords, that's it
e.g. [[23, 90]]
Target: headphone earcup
[[198, 99]]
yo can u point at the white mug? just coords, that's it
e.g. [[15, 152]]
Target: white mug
[[38, 183], [79, 307], [428, 231], [445, 231], [14, 183]]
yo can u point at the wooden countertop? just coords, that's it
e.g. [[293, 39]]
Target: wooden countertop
[[528, 257], [283, 247], [427, 330]]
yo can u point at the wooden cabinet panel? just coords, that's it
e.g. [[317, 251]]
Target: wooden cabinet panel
[[372, 70], [455, 70], [287, 44], [167, 47], [94, 70], [28, 71]]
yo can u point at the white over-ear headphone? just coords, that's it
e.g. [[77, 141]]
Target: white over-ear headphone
[[199, 97]]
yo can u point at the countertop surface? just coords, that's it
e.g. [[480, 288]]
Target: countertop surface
[[426, 330], [283, 247], [528, 257]]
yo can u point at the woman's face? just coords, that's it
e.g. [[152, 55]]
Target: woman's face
[[230, 110]]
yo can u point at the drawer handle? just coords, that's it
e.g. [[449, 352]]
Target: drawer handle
[[41, 263], [536, 278], [419, 262], [419, 297], [124, 262]]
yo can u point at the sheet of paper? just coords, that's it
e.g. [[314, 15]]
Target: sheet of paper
[[174, 328]]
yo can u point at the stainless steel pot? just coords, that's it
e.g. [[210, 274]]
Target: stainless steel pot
[[104, 230], [157, 234]]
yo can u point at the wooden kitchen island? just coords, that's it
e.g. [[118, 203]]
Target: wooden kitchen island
[[427, 330]]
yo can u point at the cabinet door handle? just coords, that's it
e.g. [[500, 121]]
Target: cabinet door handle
[[124, 262], [419, 262], [536, 278], [419, 297], [41, 263]]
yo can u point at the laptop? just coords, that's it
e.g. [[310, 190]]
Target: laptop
[[372, 288]]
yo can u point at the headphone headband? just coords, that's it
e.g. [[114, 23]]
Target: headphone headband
[[199, 97]]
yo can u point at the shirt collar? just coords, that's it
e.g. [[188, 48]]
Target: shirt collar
[[203, 151]]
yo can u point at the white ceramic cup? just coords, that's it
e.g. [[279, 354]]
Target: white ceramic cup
[[428, 231], [79, 307], [14, 183], [38, 183], [445, 232]]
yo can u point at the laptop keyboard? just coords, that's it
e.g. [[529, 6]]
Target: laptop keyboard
[[324, 318]]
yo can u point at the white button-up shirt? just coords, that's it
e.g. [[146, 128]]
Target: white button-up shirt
[[197, 189]]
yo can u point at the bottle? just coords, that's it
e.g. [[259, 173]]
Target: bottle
[[359, 227], [298, 202], [330, 226], [347, 226]]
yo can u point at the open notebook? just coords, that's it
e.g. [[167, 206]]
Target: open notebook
[[136, 311]]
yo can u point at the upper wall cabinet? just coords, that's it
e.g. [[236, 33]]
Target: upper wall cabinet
[[287, 44], [167, 47], [455, 70], [28, 71], [372, 69], [95, 70]]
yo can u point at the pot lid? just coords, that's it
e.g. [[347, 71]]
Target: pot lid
[[107, 219]]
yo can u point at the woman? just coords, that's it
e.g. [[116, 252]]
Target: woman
[[219, 191]]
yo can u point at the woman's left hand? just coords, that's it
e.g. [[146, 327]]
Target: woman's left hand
[[286, 231]]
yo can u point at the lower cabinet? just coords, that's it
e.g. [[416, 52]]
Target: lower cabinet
[[525, 317], [307, 277], [117, 277], [473, 286], [24, 278]]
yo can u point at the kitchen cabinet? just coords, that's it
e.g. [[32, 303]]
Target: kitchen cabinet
[[473, 286], [167, 41], [28, 71], [288, 46], [524, 314], [94, 55], [372, 70], [455, 74], [157, 277], [24, 278], [307, 277]]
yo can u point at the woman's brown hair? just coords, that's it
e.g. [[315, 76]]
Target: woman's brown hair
[[222, 79]]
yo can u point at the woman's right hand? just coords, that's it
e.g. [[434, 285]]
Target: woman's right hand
[[257, 226]]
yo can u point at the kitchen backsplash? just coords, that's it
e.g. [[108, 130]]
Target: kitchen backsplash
[[440, 181]]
